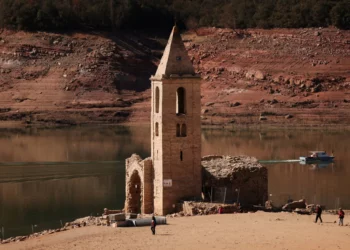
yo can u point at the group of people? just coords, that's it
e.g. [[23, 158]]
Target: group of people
[[341, 215]]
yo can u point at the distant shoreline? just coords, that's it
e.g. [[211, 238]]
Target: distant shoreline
[[21, 125]]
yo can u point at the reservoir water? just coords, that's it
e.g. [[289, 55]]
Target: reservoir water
[[34, 197]]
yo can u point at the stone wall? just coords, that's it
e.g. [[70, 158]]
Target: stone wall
[[176, 158], [234, 178], [139, 185]]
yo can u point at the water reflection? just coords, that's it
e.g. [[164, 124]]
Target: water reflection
[[54, 199], [321, 165], [321, 184], [100, 143], [318, 165], [44, 195], [37, 194]]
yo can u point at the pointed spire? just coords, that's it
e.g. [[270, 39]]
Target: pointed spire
[[175, 60]]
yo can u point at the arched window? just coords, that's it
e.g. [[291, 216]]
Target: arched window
[[183, 130], [181, 155], [180, 101], [157, 99], [178, 133], [157, 129]]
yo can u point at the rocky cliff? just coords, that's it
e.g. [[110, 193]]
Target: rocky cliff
[[279, 76]]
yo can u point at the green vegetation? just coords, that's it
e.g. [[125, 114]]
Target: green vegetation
[[118, 14]]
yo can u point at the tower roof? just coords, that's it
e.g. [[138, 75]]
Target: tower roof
[[175, 60]]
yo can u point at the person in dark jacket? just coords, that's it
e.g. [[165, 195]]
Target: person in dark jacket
[[153, 224], [341, 216], [318, 213]]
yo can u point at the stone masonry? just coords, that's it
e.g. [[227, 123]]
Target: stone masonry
[[240, 179], [139, 185], [176, 148], [175, 135]]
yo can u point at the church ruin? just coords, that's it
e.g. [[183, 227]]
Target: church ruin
[[173, 172]]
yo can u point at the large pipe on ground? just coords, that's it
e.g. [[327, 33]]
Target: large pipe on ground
[[160, 220]]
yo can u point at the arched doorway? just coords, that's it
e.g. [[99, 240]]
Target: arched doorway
[[139, 185], [134, 198]]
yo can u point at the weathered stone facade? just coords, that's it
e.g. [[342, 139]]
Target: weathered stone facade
[[240, 179], [175, 135], [139, 185]]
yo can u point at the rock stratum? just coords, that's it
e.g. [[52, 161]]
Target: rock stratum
[[253, 76]]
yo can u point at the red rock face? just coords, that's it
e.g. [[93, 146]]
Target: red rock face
[[71, 79], [280, 76], [276, 76]]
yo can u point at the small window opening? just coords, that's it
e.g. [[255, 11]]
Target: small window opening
[[180, 101], [178, 58], [157, 155], [181, 155], [157, 129], [183, 130], [178, 133], [157, 100]]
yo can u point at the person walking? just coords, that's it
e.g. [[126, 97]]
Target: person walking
[[153, 224], [220, 210], [318, 213], [341, 216]]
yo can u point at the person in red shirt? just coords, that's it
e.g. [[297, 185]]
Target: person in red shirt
[[341, 216], [220, 210]]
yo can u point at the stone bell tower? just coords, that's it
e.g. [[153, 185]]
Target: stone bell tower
[[175, 128]]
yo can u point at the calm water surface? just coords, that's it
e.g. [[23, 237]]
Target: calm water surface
[[46, 195]]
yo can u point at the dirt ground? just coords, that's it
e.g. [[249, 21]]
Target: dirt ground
[[228, 231]]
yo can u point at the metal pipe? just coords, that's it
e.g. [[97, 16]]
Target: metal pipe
[[160, 220]]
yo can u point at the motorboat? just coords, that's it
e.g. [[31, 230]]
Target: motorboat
[[316, 157]]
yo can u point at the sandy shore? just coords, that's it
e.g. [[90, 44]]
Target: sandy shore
[[228, 231]]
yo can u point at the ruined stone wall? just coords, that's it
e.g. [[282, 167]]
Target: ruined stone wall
[[204, 208], [244, 179], [167, 148], [139, 173], [252, 185]]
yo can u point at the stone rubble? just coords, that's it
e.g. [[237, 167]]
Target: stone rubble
[[221, 167], [233, 173], [191, 208]]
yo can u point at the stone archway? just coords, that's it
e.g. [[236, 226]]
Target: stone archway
[[139, 185], [134, 198]]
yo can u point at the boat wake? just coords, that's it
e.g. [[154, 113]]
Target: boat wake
[[278, 161]]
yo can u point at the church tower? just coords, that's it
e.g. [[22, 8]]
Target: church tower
[[175, 128]]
